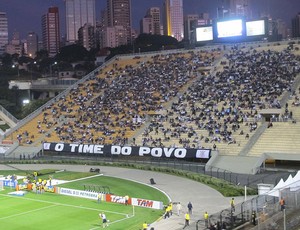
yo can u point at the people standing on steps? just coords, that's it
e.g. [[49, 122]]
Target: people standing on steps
[[187, 220], [232, 205], [190, 208], [206, 219], [282, 204], [253, 217], [178, 207]]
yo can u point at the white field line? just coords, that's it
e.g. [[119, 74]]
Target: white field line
[[24, 213], [62, 204], [84, 178], [116, 221]]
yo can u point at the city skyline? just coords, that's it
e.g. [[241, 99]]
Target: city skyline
[[30, 11]]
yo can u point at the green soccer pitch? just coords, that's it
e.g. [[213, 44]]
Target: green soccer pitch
[[53, 211]]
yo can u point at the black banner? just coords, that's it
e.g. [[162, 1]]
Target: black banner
[[114, 150]]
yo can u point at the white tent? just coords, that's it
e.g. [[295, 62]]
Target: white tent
[[296, 182], [275, 190], [293, 183], [289, 181]]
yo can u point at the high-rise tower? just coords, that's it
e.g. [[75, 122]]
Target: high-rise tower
[[154, 13], [78, 13], [173, 18], [296, 26], [3, 32], [119, 14], [239, 8], [51, 31], [32, 44]]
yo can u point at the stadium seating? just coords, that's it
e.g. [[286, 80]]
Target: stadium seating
[[195, 99]]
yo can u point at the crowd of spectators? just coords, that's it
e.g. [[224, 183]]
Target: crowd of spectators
[[226, 101], [178, 96], [105, 109]]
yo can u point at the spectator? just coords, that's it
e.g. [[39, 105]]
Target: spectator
[[178, 207], [206, 219], [232, 205], [190, 208], [282, 203], [187, 220]]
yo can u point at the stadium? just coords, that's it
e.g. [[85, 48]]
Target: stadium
[[227, 109]]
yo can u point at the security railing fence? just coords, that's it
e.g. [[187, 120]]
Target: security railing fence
[[265, 207], [249, 180], [8, 114]]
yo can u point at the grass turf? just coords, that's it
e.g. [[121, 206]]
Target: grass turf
[[49, 211], [120, 187]]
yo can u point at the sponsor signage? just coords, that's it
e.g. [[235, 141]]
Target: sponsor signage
[[147, 203], [9, 183], [116, 199], [78, 193], [111, 198], [49, 189], [22, 186], [116, 150]]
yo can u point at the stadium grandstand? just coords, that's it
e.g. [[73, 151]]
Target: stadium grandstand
[[241, 102]]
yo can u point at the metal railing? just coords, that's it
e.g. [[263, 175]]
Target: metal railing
[[249, 180], [266, 208], [8, 114]]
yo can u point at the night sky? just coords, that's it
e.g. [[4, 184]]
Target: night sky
[[25, 15]]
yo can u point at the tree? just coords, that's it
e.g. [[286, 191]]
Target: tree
[[150, 42], [45, 64], [16, 93], [32, 106], [73, 53], [42, 54], [7, 60], [24, 59]]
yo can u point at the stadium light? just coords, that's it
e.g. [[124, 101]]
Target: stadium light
[[16, 66], [25, 102]]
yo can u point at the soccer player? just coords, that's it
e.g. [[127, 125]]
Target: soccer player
[[104, 220]]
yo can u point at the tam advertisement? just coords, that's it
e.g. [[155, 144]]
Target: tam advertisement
[[147, 203], [117, 199]]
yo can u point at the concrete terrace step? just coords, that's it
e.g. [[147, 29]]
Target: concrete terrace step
[[27, 151], [235, 164]]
